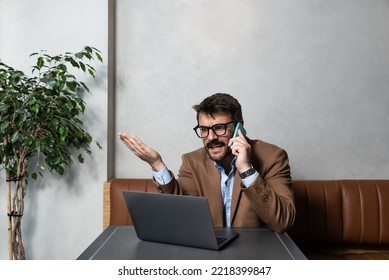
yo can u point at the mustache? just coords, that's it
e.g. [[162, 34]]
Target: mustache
[[215, 143]]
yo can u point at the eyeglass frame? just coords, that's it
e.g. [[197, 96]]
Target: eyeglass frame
[[212, 128]]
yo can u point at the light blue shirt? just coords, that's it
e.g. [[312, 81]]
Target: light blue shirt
[[227, 184], [163, 176]]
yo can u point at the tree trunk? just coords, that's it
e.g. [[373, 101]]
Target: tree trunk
[[17, 215], [17, 210], [8, 183]]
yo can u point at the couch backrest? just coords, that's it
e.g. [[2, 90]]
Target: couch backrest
[[341, 211], [115, 209]]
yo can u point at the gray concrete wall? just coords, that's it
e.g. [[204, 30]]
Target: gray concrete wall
[[63, 213], [312, 77]]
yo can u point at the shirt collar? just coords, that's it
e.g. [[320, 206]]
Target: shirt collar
[[220, 167]]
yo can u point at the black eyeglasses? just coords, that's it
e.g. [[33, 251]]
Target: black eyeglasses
[[219, 129]]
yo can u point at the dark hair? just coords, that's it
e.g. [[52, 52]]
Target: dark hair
[[220, 103]]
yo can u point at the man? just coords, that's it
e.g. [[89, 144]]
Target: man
[[247, 182]]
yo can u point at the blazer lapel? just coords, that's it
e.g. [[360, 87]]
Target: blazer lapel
[[215, 195], [236, 194]]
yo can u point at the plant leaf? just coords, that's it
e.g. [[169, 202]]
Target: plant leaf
[[40, 63], [99, 57], [35, 108], [15, 137], [80, 158]]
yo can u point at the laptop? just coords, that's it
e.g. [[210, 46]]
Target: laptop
[[175, 219]]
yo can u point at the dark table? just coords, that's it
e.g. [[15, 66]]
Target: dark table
[[121, 243]]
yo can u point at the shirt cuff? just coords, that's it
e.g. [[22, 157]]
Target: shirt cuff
[[163, 176], [249, 180]]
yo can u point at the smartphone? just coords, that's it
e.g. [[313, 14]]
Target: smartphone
[[239, 126]]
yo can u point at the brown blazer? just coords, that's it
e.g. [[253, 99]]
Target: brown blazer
[[269, 201]]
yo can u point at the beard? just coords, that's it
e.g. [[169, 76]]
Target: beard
[[217, 150]]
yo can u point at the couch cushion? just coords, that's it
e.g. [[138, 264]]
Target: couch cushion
[[341, 211], [319, 212], [367, 256], [365, 211]]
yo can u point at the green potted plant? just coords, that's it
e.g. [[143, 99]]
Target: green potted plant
[[40, 120]]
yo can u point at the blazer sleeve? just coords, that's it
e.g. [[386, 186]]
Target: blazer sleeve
[[169, 188], [185, 184], [271, 194]]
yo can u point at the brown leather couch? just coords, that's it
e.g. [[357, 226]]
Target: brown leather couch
[[336, 219], [342, 219]]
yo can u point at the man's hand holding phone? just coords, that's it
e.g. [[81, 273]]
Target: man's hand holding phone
[[240, 148]]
